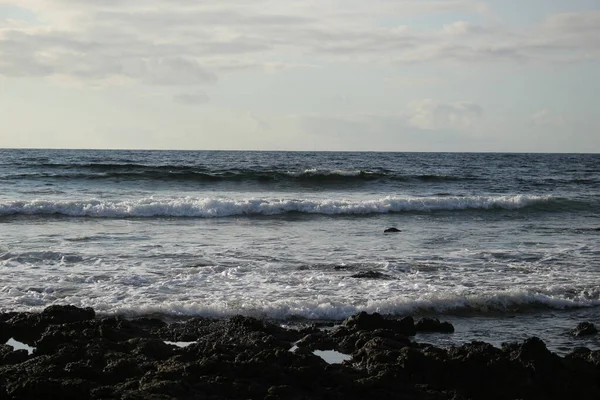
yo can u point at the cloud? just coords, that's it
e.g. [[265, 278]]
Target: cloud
[[419, 122], [168, 71], [462, 28], [546, 118], [382, 131], [432, 115], [182, 42], [195, 98]]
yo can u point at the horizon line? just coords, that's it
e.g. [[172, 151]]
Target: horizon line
[[296, 151]]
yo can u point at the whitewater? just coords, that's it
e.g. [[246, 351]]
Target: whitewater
[[502, 245], [222, 207]]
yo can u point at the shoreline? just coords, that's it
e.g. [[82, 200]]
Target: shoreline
[[553, 326], [79, 356]]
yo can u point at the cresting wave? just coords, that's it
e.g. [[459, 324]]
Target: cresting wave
[[210, 175], [224, 207], [493, 304]]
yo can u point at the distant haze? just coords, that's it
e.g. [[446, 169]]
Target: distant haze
[[392, 75]]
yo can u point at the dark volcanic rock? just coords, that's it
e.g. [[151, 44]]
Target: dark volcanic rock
[[240, 358], [433, 325], [4, 332], [66, 314], [27, 327], [584, 329], [9, 356], [364, 321], [371, 275]]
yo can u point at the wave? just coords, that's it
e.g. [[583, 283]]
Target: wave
[[199, 174], [491, 304], [40, 256], [223, 207]]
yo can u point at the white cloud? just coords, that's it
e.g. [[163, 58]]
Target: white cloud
[[432, 115], [182, 42]]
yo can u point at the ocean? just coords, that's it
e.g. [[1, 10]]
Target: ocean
[[504, 246]]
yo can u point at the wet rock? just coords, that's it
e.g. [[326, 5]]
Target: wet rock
[[28, 327], [371, 275], [365, 321], [5, 333], [9, 356], [342, 267], [66, 314], [317, 341], [83, 369], [433, 325], [533, 349], [25, 327], [282, 392], [44, 388], [243, 357], [392, 230], [152, 348], [122, 369], [186, 331], [584, 329]]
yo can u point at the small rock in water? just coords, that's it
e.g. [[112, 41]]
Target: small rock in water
[[371, 275], [433, 325], [584, 329], [391, 230]]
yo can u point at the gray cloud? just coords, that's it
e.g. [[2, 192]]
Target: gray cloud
[[169, 71], [545, 118], [195, 98], [384, 131], [430, 115], [184, 42]]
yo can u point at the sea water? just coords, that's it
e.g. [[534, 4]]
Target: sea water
[[504, 246]]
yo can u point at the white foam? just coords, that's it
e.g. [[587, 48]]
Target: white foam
[[136, 302], [224, 207], [179, 344]]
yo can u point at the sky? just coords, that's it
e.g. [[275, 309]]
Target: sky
[[343, 75]]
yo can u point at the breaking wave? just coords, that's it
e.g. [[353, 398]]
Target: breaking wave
[[175, 173], [493, 304], [224, 207]]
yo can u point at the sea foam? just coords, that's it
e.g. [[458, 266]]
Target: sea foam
[[504, 302], [224, 207]]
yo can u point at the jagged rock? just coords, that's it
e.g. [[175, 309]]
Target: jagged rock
[[584, 329], [28, 327], [243, 357], [5, 333], [47, 388], [317, 341], [9, 356], [364, 321], [433, 325], [152, 348], [371, 275], [66, 314]]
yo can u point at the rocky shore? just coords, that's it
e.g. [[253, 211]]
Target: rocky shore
[[80, 356]]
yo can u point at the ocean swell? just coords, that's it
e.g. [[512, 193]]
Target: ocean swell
[[224, 207]]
